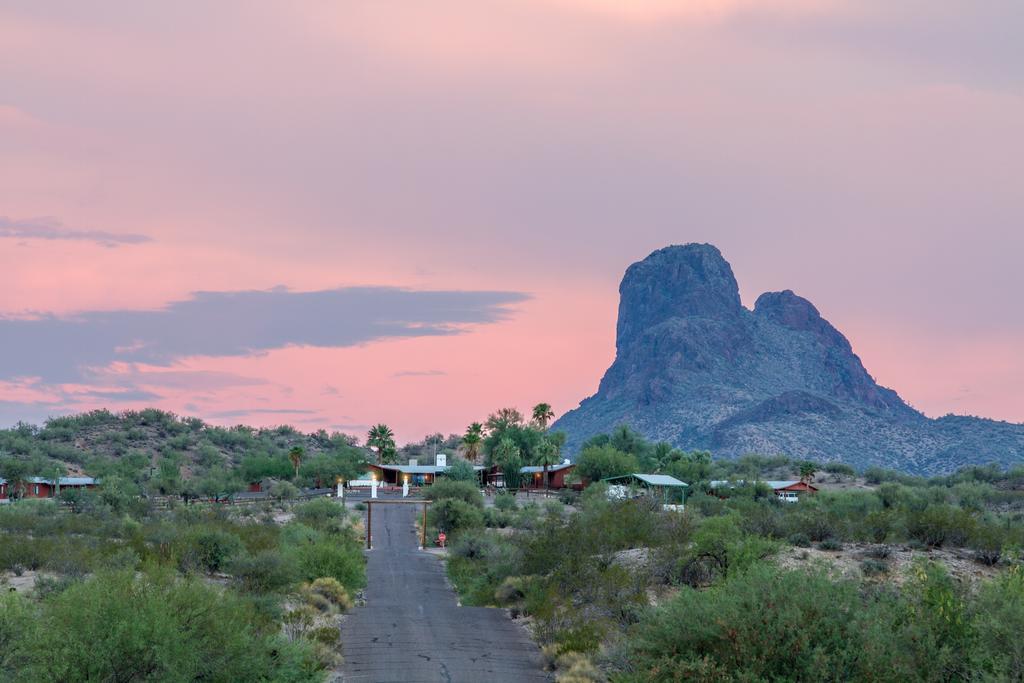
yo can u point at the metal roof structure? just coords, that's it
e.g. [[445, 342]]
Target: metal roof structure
[[63, 481], [534, 469], [77, 481], [651, 479], [421, 469], [774, 484]]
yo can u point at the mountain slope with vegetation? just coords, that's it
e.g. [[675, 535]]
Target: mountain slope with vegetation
[[694, 367], [167, 454]]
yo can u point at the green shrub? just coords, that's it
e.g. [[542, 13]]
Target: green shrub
[[813, 523], [505, 502], [988, 541], [321, 513], [880, 552], [830, 544], [474, 546], [839, 468], [331, 590], [800, 540], [265, 572], [283, 490], [209, 550], [938, 525], [18, 623], [119, 627], [873, 567], [766, 624], [496, 518], [890, 494], [447, 489], [880, 525], [998, 618], [511, 590], [720, 548], [568, 497], [327, 557], [451, 515]]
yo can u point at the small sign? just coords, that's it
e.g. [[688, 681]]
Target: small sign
[[442, 460], [441, 538]]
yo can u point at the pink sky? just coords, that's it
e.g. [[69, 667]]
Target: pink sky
[[867, 154]]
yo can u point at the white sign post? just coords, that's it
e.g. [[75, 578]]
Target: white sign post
[[373, 488], [405, 488]]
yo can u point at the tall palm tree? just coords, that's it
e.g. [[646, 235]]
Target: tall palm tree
[[542, 414], [295, 455], [547, 455], [382, 438], [472, 439]]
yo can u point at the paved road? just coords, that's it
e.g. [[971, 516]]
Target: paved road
[[412, 630]]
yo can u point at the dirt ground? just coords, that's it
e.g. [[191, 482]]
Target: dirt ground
[[849, 562], [23, 584]]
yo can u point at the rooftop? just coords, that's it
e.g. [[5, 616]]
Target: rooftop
[[420, 469], [771, 483], [651, 479], [533, 469]]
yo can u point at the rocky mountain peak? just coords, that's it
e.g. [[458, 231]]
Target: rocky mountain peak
[[797, 313], [695, 368], [680, 281]]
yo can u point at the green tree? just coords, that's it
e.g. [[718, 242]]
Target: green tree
[[508, 457], [325, 468], [471, 441], [16, 473], [807, 471], [168, 480], [461, 470], [503, 420], [600, 462], [382, 439], [295, 457], [691, 467], [542, 414], [219, 485]]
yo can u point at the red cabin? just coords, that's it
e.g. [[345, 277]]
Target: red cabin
[[38, 487], [533, 476]]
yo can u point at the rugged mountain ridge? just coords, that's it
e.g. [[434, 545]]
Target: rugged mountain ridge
[[696, 368]]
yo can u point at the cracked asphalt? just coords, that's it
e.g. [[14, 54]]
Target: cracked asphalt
[[411, 629]]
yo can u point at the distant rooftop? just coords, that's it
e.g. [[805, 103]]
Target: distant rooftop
[[651, 479], [534, 469], [771, 483], [420, 469]]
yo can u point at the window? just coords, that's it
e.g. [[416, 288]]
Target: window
[[35, 490]]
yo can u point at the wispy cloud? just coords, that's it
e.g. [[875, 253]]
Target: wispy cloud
[[52, 229], [117, 396], [420, 373], [73, 348], [245, 412]]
